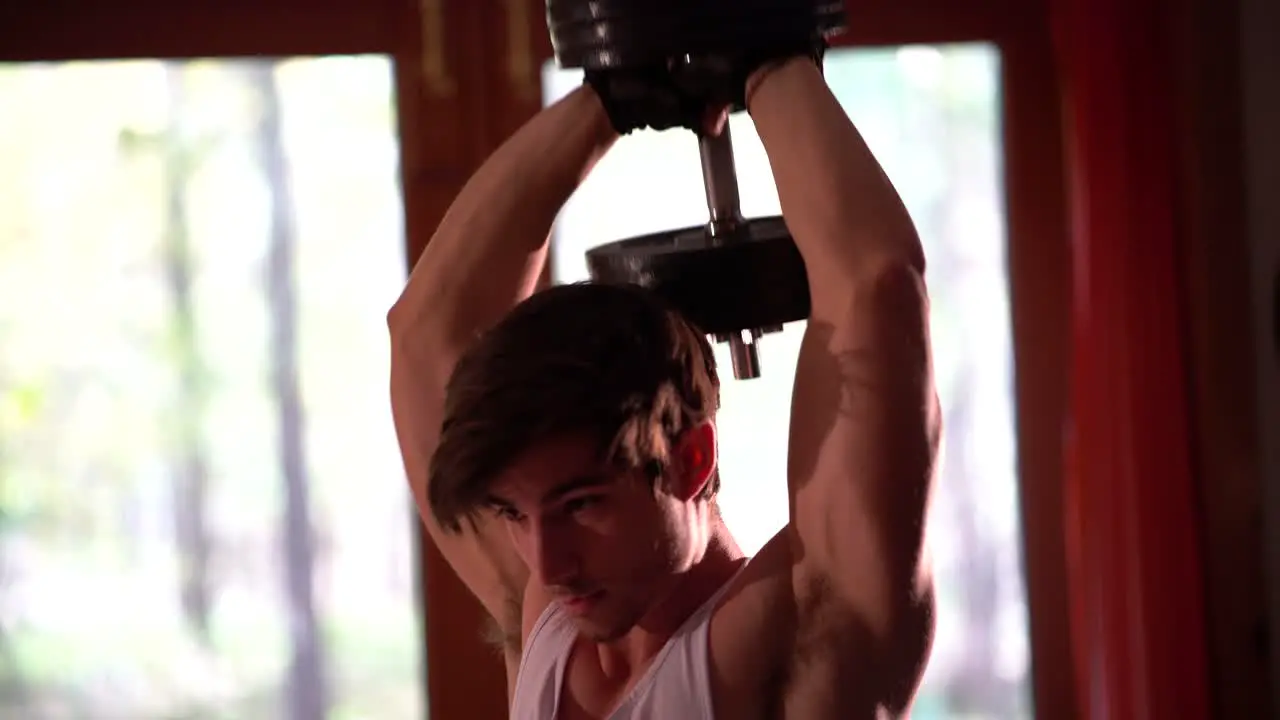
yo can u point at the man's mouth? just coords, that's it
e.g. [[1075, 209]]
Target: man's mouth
[[580, 604]]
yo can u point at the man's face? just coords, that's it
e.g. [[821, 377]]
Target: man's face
[[606, 546]]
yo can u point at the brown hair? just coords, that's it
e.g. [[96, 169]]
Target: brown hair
[[610, 360]]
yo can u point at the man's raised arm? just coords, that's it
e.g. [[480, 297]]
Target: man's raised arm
[[484, 258], [865, 424], [841, 208]]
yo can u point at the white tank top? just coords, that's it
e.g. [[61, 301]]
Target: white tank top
[[677, 685]]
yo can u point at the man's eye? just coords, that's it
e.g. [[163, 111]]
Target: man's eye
[[579, 504], [507, 513]]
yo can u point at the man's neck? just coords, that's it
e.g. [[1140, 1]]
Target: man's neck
[[721, 560]]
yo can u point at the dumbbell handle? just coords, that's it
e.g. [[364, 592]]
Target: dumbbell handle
[[720, 179]]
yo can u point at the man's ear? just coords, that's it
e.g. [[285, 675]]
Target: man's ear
[[695, 460]]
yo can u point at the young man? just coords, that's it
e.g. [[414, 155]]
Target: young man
[[562, 449]]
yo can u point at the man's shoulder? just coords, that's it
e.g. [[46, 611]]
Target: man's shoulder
[[754, 625]]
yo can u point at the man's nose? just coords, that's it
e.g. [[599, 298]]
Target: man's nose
[[554, 556]]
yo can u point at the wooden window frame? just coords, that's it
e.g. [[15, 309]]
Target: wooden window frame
[[477, 76]]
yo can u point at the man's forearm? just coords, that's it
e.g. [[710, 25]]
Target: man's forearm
[[488, 251], [841, 208]]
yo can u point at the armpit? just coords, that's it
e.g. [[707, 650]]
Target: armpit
[[839, 663], [504, 634]]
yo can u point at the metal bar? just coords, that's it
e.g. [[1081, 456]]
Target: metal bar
[[720, 179]]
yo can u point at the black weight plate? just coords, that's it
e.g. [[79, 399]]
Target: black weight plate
[[621, 35], [597, 34], [756, 279], [705, 12]]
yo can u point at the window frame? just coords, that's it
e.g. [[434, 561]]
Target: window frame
[[479, 79]]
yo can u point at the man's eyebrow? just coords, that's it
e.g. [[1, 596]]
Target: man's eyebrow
[[494, 501], [573, 484]]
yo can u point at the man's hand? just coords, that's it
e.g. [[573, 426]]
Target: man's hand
[[683, 91]]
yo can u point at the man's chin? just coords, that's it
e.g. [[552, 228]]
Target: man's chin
[[600, 625], [600, 633]]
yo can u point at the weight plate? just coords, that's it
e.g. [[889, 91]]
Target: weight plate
[[599, 34], [755, 279]]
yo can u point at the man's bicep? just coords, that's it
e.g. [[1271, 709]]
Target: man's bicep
[[865, 433], [481, 553]]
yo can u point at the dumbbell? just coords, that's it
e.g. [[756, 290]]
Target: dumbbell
[[736, 279]]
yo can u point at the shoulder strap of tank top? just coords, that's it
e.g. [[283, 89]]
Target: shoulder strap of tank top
[[541, 665], [679, 680], [714, 602]]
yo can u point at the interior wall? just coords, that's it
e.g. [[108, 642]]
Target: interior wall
[[1260, 81]]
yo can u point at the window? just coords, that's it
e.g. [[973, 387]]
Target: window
[[931, 116], [202, 511]]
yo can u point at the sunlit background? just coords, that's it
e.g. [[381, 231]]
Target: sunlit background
[[931, 115], [203, 512]]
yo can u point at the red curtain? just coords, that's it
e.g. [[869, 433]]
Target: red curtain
[[1133, 533]]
